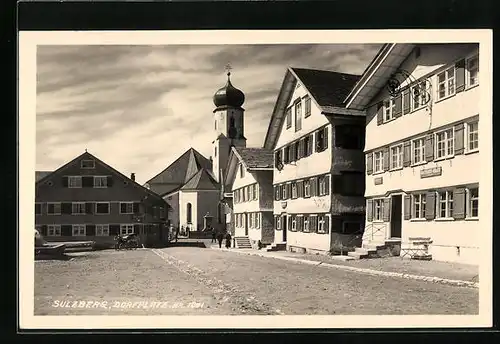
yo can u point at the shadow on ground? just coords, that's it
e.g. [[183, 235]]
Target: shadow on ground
[[199, 244]]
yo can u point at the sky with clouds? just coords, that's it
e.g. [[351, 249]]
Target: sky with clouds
[[139, 107]]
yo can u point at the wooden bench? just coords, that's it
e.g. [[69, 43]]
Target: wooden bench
[[418, 248]]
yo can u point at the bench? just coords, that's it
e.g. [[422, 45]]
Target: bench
[[417, 248]]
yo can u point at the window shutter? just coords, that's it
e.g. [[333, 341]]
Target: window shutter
[[387, 210], [114, 229], [284, 152], [276, 198], [327, 184], [407, 154], [314, 186], [65, 181], [66, 230], [300, 189], [110, 181], [380, 113], [316, 141], [430, 205], [136, 207], [66, 208], [327, 224], [429, 148], [460, 75], [406, 101], [369, 210], [369, 163], [407, 205], [325, 138], [87, 181], [398, 106], [43, 230], [90, 230], [459, 139], [386, 159], [459, 203], [89, 208]]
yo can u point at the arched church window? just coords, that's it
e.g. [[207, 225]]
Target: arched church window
[[189, 213]]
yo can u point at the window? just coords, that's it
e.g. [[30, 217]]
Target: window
[[100, 181], [294, 190], [88, 164], [446, 83], [257, 220], [473, 202], [288, 115], [54, 230], [298, 116], [242, 171], [250, 221], [74, 181], [378, 162], [285, 191], [307, 188], [307, 103], [278, 222], [321, 139], [126, 229], [189, 213], [102, 208], [397, 157], [296, 151], [78, 230], [102, 230], [256, 191], [378, 209], [38, 208], [473, 71], [418, 150], [54, 208], [278, 159], [78, 208], [389, 106], [305, 225], [126, 207], [445, 204], [308, 145], [418, 210], [349, 136], [444, 144], [323, 185], [294, 223], [321, 224], [418, 95], [472, 136]]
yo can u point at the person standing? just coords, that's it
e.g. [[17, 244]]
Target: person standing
[[213, 235], [220, 237], [228, 240], [176, 234]]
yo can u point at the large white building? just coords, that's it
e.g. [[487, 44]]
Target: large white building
[[422, 158], [318, 151]]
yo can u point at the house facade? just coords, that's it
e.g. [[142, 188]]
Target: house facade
[[318, 162], [422, 149], [86, 199], [249, 177]]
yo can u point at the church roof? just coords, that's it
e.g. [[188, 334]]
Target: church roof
[[255, 158], [202, 180], [179, 172]]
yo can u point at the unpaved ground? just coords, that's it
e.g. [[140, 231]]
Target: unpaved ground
[[197, 281]]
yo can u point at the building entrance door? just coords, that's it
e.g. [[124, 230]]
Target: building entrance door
[[284, 226], [396, 217], [246, 224]]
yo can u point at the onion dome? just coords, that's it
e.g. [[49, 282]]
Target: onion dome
[[229, 95]]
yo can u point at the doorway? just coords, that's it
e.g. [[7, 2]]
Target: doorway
[[246, 224], [284, 224], [396, 217]]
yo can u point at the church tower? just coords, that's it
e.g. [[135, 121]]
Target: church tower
[[228, 125]]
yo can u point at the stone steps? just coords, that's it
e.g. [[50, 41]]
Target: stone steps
[[276, 247], [243, 242]]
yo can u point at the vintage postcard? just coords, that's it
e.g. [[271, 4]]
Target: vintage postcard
[[187, 179]]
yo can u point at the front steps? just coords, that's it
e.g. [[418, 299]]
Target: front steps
[[389, 248], [277, 246], [242, 242]]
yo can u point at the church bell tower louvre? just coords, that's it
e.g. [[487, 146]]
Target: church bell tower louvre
[[228, 124]]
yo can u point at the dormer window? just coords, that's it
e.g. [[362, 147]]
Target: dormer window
[[88, 164]]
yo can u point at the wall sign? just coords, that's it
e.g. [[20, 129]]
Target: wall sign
[[431, 172], [378, 180], [283, 205]]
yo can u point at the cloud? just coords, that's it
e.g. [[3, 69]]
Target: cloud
[[139, 107]]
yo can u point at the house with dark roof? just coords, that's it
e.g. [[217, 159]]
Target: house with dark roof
[[40, 174], [87, 199], [249, 178], [190, 189], [422, 104], [318, 172]]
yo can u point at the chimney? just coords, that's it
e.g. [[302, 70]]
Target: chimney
[[132, 176]]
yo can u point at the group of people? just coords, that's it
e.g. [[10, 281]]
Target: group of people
[[220, 236]]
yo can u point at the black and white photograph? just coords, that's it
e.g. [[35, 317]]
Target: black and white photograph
[[271, 174]]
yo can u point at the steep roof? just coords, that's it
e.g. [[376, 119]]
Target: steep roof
[[201, 181], [255, 158], [178, 173], [327, 89], [41, 174], [87, 155]]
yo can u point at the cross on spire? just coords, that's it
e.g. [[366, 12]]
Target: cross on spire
[[228, 69]]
